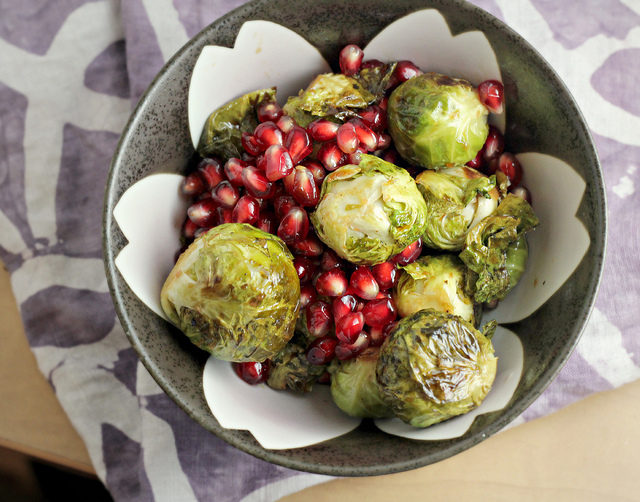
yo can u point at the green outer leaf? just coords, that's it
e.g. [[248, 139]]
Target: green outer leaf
[[291, 370], [222, 133]]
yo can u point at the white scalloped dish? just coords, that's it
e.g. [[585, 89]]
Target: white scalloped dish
[[287, 420]]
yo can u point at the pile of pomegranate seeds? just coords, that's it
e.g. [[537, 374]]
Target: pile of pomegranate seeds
[[276, 184]]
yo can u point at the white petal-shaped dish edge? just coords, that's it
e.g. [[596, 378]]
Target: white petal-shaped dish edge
[[145, 262]]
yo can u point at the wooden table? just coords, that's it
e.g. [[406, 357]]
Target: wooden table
[[589, 451]]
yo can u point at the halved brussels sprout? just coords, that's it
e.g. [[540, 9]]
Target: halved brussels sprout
[[436, 282], [235, 293], [437, 121], [488, 245], [222, 133], [435, 366], [369, 212], [457, 199], [291, 370], [354, 387]]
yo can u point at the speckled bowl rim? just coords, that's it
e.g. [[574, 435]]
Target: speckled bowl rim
[[449, 448]]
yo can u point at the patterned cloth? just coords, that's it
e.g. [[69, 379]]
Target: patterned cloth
[[70, 72]]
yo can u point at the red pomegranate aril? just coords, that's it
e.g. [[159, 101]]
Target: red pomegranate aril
[[267, 222], [309, 246], [349, 326], [386, 274], [346, 351], [319, 318], [406, 70], [233, 170], [305, 190], [380, 312], [224, 216], [364, 284], [375, 117], [188, 230], [278, 162], [225, 194], [347, 138], [286, 123], [378, 334], [282, 204], [350, 59], [247, 210], [331, 156], [305, 268], [267, 134], [298, 143], [212, 172], [294, 225], [510, 166], [329, 260], [308, 295], [523, 193], [491, 94], [317, 170], [323, 130], [252, 372], [494, 145], [356, 157], [343, 305], [390, 156], [384, 141], [250, 144], [478, 161], [269, 111], [203, 212], [408, 254], [322, 350], [256, 183], [332, 282], [366, 136], [384, 102], [193, 185], [371, 63]]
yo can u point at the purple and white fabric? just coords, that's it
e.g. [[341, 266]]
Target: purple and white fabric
[[70, 73]]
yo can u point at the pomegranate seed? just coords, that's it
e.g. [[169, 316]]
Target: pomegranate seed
[[364, 284], [282, 204], [332, 282], [343, 305], [203, 213], [478, 161], [523, 193], [250, 144], [319, 317], [257, 183], [267, 222], [224, 216], [349, 326], [371, 63], [285, 123], [269, 111], [346, 351], [510, 166], [378, 334], [188, 230], [294, 225], [329, 260], [390, 156], [365, 135], [323, 130], [324, 379], [350, 59], [406, 70], [201, 231], [494, 145], [322, 350], [247, 210], [383, 102], [491, 167], [384, 141], [380, 312], [248, 158], [225, 195], [409, 254], [305, 268], [347, 138], [278, 162], [356, 157], [211, 171], [305, 190], [233, 169], [298, 142], [267, 134], [386, 274], [331, 156], [309, 246], [193, 185], [252, 372], [491, 94], [308, 295], [375, 117], [383, 294], [317, 170]]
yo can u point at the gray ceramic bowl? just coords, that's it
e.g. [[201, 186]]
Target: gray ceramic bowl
[[156, 139]]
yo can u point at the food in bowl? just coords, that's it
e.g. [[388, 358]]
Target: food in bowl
[[362, 176]]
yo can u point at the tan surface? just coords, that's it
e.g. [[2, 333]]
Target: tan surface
[[587, 452]]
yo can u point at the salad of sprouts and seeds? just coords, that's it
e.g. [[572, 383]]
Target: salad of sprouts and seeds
[[353, 237]]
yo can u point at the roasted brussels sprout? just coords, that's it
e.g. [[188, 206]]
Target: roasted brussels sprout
[[457, 199], [354, 387], [437, 121], [222, 133], [436, 282], [435, 366], [291, 370], [235, 293], [369, 212], [487, 247]]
